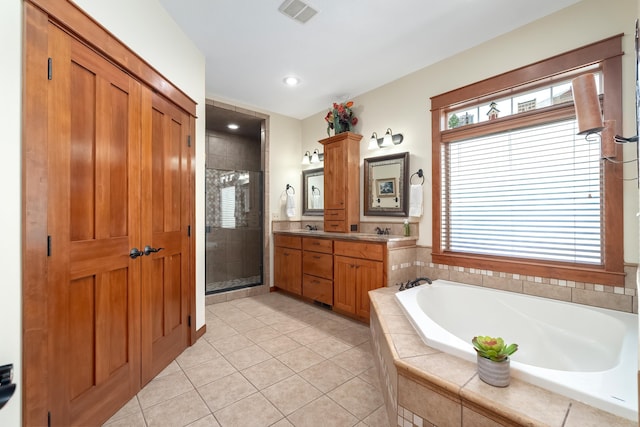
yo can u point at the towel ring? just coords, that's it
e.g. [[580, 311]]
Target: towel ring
[[292, 189], [315, 190], [420, 175]]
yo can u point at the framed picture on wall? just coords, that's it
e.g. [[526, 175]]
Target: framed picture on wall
[[386, 187]]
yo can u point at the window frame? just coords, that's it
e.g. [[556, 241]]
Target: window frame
[[604, 56]]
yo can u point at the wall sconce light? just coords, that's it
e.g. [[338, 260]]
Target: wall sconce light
[[373, 142], [306, 158], [388, 140], [587, 106], [313, 158]]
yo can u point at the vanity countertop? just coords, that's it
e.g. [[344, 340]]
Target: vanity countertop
[[365, 237]]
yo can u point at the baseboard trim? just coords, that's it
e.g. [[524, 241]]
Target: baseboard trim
[[200, 332]]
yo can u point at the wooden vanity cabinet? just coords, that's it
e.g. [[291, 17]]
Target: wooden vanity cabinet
[[287, 263], [342, 182], [317, 269], [339, 273], [358, 268]]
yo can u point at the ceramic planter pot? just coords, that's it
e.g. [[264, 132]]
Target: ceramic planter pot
[[494, 373]]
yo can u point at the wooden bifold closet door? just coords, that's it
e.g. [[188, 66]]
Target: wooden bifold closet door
[[118, 211]]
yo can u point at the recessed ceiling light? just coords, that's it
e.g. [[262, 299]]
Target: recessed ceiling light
[[233, 126], [291, 81]]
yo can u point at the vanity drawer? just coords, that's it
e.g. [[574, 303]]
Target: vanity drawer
[[334, 214], [373, 251], [317, 289], [317, 245], [317, 264], [294, 242], [335, 226]]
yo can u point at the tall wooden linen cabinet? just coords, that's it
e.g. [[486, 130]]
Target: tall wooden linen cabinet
[[108, 190], [342, 182]]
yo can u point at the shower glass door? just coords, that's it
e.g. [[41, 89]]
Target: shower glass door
[[233, 229]]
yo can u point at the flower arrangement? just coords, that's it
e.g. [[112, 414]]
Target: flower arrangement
[[493, 348], [340, 118]]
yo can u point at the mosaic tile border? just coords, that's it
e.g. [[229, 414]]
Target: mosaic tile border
[[406, 418], [620, 290]]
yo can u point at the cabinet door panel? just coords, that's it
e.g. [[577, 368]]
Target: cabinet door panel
[[287, 267], [344, 287], [334, 170], [368, 277]]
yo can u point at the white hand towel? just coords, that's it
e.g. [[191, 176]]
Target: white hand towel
[[291, 206], [316, 201], [415, 200]]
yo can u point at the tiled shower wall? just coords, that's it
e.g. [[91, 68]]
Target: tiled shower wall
[[233, 253]]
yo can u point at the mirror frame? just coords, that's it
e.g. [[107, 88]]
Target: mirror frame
[[403, 190], [306, 174]]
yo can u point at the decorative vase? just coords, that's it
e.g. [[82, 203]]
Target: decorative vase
[[494, 373], [340, 126]]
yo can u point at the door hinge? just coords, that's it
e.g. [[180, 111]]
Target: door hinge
[[49, 69], [188, 140], [189, 320], [188, 231], [49, 419], [48, 245]]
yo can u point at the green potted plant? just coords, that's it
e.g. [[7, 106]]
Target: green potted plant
[[493, 359]]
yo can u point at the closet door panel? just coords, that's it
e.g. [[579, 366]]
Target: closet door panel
[[93, 147], [165, 213]]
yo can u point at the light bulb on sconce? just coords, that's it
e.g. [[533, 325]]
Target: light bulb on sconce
[[315, 157], [373, 142], [306, 158], [389, 140]]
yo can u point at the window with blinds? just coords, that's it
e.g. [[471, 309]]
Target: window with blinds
[[531, 193]]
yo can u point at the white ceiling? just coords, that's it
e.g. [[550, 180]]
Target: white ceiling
[[348, 48]]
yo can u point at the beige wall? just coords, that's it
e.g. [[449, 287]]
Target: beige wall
[[404, 104], [10, 117]]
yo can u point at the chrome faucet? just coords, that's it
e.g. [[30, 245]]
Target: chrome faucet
[[380, 231], [312, 227], [412, 283]]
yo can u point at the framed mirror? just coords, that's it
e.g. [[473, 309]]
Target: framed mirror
[[386, 182], [313, 192]]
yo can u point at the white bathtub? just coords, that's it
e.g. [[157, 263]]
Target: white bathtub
[[585, 353]]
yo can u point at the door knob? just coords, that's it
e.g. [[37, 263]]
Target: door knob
[[135, 253], [148, 250]]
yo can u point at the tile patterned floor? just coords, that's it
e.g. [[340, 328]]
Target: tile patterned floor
[[268, 360]]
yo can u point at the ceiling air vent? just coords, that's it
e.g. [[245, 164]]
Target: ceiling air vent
[[298, 10]]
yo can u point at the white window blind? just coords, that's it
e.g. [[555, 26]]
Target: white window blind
[[228, 207], [530, 193]]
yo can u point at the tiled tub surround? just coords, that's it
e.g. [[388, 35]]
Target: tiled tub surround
[[424, 386], [586, 353]]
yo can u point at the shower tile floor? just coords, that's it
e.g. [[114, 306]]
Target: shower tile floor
[[232, 284], [267, 360]]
